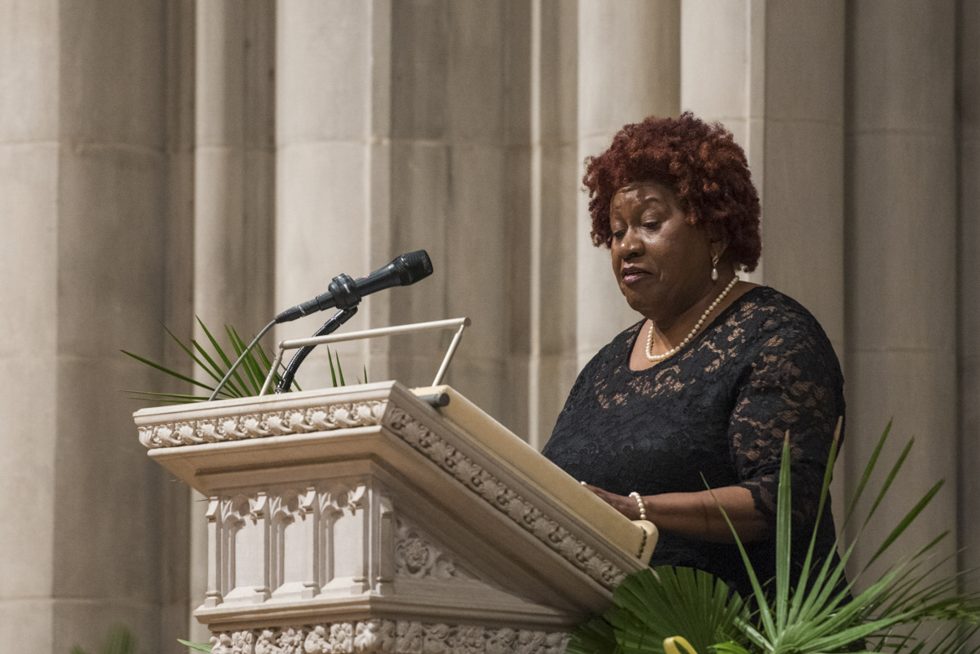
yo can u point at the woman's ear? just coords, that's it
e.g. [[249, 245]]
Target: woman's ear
[[717, 240]]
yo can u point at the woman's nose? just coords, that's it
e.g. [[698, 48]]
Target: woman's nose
[[629, 246]]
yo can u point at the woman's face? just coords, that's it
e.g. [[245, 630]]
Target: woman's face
[[660, 256]]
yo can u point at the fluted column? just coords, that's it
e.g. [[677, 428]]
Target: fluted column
[[968, 66], [325, 195], [82, 171], [449, 172], [553, 230], [233, 191], [178, 513], [803, 158], [900, 240], [628, 69], [29, 153], [723, 75], [234, 159]]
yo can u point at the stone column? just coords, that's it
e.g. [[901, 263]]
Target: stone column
[[29, 156], [628, 68], [900, 240], [485, 180], [325, 116], [723, 75], [803, 157], [553, 230], [233, 192], [234, 162], [178, 512], [82, 169], [968, 65], [447, 170]]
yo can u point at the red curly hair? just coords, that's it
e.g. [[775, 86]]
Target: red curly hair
[[701, 163]]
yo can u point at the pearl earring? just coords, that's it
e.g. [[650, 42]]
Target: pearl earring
[[714, 267]]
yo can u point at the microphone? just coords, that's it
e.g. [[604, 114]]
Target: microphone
[[345, 292]]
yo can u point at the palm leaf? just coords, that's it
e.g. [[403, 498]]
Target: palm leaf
[[798, 598], [340, 369], [236, 379], [652, 605], [195, 647], [205, 363], [213, 359], [166, 370]]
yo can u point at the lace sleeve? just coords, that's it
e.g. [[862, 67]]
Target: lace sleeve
[[794, 385]]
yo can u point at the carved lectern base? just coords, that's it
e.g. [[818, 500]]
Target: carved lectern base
[[361, 519]]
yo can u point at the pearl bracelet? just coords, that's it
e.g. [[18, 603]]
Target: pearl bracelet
[[640, 505]]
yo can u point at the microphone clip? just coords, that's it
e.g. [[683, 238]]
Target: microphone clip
[[343, 290]]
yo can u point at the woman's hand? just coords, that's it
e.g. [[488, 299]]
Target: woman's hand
[[696, 515], [622, 503]]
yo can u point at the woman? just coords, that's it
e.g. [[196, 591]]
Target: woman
[[701, 392]]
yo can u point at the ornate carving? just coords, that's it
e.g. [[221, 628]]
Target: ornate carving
[[287, 641], [336, 499], [417, 557], [504, 499], [389, 637], [258, 425], [292, 505], [235, 642]]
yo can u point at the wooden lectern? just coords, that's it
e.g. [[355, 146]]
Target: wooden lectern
[[363, 519]]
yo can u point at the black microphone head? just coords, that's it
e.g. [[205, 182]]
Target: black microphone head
[[412, 266]]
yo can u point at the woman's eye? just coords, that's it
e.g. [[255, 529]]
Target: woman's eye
[[618, 235], [651, 224]]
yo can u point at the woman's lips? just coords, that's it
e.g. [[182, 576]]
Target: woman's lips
[[633, 275]]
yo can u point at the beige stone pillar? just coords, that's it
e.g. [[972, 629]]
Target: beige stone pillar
[[628, 68], [900, 242], [82, 170], [429, 152], [723, 75], [325, 104], [178, 513], [486, 132], [773, 73], [233, 192], [234, 162], [553, 231], [968, 38], [803, 158], [29, 153]]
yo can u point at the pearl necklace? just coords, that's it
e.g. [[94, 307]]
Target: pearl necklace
[[697, 326]]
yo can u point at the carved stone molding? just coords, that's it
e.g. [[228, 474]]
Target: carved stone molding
[[505, 500], [389, 637], [328, 417]]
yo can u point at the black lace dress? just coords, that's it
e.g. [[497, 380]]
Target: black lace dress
[[714, 413]]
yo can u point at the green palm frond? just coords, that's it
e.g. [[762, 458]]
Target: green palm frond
[[195, 647], [818, 615], [652, 605], [213, 359]]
